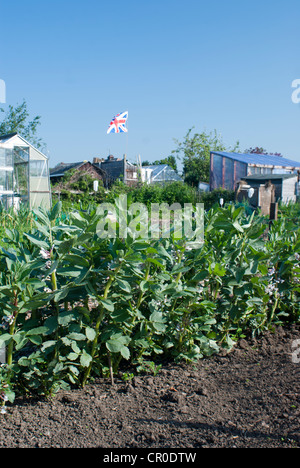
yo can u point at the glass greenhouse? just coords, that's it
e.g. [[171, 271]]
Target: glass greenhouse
[[24, 174], [159, 174]]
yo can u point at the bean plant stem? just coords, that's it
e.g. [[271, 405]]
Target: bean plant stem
[[98, 323], [10, 347]]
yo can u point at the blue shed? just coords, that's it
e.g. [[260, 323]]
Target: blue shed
[[227, 169]]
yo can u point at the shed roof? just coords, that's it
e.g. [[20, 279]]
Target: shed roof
[[260, 177], [260, 159]]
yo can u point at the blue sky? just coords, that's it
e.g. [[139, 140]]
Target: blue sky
[[173, 65]]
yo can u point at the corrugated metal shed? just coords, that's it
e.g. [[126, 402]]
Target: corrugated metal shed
[[260, 159], [264, 177], [227, 169]]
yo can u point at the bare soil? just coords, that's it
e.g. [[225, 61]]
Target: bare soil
[[249, 398]]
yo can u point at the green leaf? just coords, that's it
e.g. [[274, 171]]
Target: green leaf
[[238, 227], [36, 339], [51, 324], [43, 218], [66, 246], [77, 260], [73, 272], [124, 285], [117, 342], [67, 317], [202, 275], [85, 359], [107, 304], [49, 345], [76, 336], [37, 331], [55, 212], [155, 262], [36, 241], [72, 356], [5, 339], [90, 333], [10, 395], [125, 352]]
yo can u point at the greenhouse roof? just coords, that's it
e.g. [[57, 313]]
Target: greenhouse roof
[[163, 172], [260, 159], [7, 137]]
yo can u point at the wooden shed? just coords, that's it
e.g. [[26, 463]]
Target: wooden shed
[[285, 185]]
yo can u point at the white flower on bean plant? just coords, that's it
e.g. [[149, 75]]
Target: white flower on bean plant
[[7, 320], [45, 254]]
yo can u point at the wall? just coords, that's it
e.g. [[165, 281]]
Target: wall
[[225, 172], [289, 189]]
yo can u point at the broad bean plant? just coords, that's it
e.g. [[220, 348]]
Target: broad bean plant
[[75, 306]]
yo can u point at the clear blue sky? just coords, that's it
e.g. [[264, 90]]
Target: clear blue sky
[[224, 65]]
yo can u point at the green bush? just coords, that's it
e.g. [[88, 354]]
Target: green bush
[[209, 199]]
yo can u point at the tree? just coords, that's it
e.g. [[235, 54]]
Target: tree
[[260, 150], [195, 153], [16, 119], [170, 160]]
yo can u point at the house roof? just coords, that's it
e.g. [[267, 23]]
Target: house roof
[[260, 159], [259, 177], [62, 168]]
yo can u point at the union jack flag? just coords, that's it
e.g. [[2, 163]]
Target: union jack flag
[[118, 123]]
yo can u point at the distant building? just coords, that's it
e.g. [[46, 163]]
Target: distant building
[[159, 174], [24, 174], [78, 168], [227, 169], [111, 169], [285, 186], [117, 169]]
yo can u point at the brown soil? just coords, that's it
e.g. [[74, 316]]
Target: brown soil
[[249, 398]]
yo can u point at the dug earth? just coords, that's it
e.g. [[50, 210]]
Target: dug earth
[[248, 398]]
